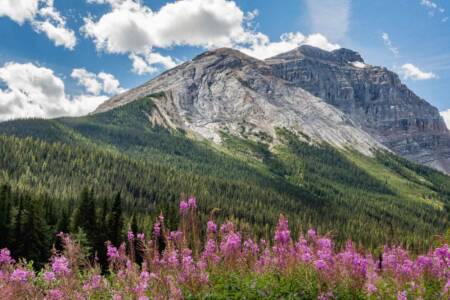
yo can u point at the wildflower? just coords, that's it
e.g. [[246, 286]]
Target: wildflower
[[312, 234], [95, 282], [209, 254], [60, 265], [49, 276], [282, 233], [231, 244], [211, 227], [117, 297], [112, 252], [371, 289], [56, 294], [130, 236], [184, 207], [141, 236], [402, 295], [320, 264], [192, 202], [250, 248], [5, 256], [20, 275], [157, 229]]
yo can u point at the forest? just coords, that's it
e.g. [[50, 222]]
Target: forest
[[101, 175]]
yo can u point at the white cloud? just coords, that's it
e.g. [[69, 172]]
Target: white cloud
[[43, 18], [388, 43], [410, 71], [145, 63], [88, 80], [54, 26], [329, 17], [446, 116], [132, 28], [262, 48], [34, 91], [97, 83], [432, 7], [19, 10]]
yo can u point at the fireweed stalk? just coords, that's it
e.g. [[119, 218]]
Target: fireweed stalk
[[175, 265]]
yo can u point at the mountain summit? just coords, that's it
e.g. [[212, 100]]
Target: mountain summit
[[332, 97]]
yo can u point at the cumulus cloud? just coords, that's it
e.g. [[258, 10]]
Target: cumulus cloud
[[145, 63], [50, 22], [97, 83], [34, 91], [329, 17], [44, 18], [132, 28], [446, 116], [388, 43], [410, 71], [19, 10], [262, 48]]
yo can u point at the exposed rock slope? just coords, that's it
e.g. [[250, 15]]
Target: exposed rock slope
[[226, 90], [374, 97], [329, 96]]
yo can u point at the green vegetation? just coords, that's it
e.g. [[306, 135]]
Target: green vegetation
[[373, 201]]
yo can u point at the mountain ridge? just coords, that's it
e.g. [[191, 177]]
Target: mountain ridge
[[365, 107]]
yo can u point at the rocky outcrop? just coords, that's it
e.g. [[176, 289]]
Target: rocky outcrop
[[372, 96], [329, 96], [227, 91]]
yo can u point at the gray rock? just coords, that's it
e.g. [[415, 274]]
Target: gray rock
[[372, 96], [226, 90], [331, 97]]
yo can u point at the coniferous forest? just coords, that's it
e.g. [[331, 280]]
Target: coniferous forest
[[98, 176]]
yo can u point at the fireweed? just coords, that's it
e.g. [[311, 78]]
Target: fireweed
[[176, 265]]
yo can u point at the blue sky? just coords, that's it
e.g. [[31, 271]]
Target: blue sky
[[77, 53]]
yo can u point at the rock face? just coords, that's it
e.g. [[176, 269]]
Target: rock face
[[329, 96], [227, 91], [372, 96]]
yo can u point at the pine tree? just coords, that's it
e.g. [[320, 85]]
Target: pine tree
[[115, 221], [35, 233], [85, 216], [5, 215]]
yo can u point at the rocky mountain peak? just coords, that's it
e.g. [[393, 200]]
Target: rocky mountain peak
[[330, 96], [339, 56]]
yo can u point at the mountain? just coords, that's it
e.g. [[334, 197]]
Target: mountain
[[226, 128], [372, 96], [227, 91], [368, 107]]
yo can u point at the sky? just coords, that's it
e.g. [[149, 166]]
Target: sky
[[65, 57]]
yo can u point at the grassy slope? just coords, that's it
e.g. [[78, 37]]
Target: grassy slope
[[372, 200]]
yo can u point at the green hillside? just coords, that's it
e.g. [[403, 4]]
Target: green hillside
[[371, 200]]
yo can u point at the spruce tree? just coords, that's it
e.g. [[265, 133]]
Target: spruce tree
[[35, 234], [5, 215], [115, 222], [85, 216]]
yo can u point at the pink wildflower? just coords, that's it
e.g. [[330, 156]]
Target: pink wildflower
[[130, 236], [20, 275], [112, 252], [211, 227], [49, 276], [56, 294], [60, 265], [184, 207], [5, 256], [192, 202]]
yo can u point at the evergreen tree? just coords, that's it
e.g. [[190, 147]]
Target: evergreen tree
[[115, 222], [35, 234], [85, 216], [5, 214]]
